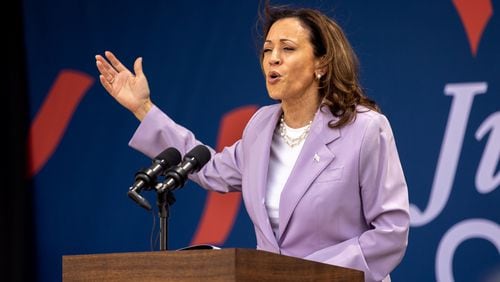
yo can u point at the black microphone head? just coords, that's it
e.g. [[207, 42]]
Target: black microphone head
[[201, 154], [169, 157]]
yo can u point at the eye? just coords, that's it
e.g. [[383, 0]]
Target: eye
[[266, 50], [288, 48]]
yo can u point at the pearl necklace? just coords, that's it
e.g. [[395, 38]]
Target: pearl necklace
[[291, 141]]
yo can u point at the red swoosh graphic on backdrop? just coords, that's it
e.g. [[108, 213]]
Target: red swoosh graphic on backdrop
[[51, 121], [475, 15], [221, 209]]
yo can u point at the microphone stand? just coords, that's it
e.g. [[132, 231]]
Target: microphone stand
[[164, 200]]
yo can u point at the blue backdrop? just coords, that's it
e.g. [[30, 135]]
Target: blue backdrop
[[433, 66]]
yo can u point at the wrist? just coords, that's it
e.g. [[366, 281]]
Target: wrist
[[143, 110]]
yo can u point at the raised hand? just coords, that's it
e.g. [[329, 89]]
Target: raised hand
[[129, 89]]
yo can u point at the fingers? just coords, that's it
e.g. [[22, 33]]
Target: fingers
[[138, 67], [106, 84], [115, 62], [107, 71], [110, 68]]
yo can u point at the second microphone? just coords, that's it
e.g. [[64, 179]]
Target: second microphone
[[193, 161]]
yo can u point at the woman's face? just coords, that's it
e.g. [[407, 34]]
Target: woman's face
[[289, 62]]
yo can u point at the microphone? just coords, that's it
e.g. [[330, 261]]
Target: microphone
[[193, 161], [146, 178]]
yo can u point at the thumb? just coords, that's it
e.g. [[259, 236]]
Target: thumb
[[138, 67]]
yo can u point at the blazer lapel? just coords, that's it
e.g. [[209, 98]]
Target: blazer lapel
[[314, 157], [258, 160]]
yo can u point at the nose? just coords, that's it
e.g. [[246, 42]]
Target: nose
[[275, 58]]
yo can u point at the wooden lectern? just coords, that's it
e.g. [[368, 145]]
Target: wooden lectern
[[201, 265]]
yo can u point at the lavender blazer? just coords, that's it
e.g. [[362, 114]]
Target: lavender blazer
[[345, 202]]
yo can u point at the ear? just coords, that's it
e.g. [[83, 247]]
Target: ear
[[320, 67]]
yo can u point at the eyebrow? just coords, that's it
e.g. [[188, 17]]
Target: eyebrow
[[281, 40]]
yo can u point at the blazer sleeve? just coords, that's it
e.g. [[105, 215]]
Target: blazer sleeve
[[384, 196], [157, 131]]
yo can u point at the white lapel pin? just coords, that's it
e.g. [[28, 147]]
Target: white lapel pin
[[316, 157]]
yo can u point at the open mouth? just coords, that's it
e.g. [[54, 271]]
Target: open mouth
[[273, 77]]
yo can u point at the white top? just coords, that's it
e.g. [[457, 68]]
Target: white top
[[281, 163]]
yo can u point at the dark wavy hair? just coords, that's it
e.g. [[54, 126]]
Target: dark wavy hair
[[339, 87]]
